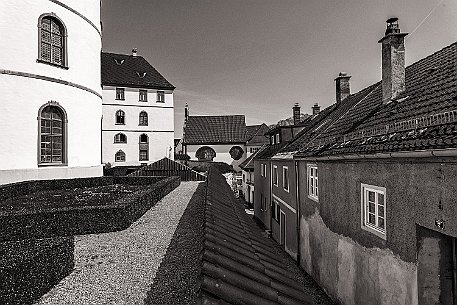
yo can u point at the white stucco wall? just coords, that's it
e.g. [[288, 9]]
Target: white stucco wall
[[222, 153], [160, 129], [24, 92]]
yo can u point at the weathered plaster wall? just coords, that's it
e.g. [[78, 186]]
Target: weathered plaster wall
[[262, 189], [352, 273]]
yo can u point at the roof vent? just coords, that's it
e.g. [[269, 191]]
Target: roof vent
[[141, 74], [119, 61]]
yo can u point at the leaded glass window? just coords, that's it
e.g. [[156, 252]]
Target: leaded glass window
[[51, 135]]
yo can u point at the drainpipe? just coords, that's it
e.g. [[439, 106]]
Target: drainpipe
[[271, 196], [297, 201]]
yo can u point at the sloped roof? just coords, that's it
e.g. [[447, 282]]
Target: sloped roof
[[131, 71], [256, 136], [248, 164], [223, 129], [240, 265]]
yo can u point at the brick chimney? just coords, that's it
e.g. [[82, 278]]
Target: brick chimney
[[343, 87], [393, 61], [296, 113], [316, 109]]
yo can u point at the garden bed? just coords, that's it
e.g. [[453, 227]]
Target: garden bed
[[66, 207]]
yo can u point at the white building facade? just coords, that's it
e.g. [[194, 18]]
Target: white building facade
[[138, 112], [51, 95]]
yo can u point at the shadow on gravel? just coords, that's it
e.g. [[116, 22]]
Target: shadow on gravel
[[176, 279]]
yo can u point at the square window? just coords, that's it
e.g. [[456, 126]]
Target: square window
[[285, 178], [313, 190], [120, 94], [373, 206], [143, 95], [160, 97]]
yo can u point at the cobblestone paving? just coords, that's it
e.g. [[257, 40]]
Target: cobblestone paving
[[118, 267]]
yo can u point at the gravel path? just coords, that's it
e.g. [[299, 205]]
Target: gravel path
[[119, 267]]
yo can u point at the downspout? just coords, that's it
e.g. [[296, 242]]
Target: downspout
[[271, 196], [297, 201]]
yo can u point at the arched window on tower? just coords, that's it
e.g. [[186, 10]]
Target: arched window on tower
[[52, 40], [52, 134], [143, 118], [120, 117], [144, 147]]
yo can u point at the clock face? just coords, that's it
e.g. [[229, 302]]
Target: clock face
[[236, 152]]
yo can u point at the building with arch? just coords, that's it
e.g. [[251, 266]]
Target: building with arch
[[51, 94], [138, 124]]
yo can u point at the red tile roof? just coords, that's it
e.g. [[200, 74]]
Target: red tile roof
[[131, 71], [224, 129]]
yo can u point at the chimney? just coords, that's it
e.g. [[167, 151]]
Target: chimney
[[316, 109], [343, 88], [296, 113], [134, 51], [186, 112], [393, 61]]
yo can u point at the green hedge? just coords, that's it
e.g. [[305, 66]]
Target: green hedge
[[71, 221]]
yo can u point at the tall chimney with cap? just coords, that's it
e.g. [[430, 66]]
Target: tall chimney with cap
[[393, 61], [343, 87], [186, 112], [316, 109], [296, 113], [134, 51]]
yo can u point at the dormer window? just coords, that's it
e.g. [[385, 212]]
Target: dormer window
[[119, 61], [141, 74]]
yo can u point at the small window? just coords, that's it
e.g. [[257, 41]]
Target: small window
[[275, 210], [52, 41], [262, 170], [272, 140], [374, 209], [143, 97], [277, 141], [120, 117], [160, 97], [120, 94], [120, 138], [144, 147], [313, 182], [244, 178], [143, 118], [120, 156], [275, 175], [285, 178]]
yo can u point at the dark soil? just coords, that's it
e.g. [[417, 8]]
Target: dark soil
[[96, 195], [176, 279]]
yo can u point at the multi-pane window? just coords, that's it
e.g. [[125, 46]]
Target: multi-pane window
[[275, 175], [313, 182], [143, 95], [285, 178], [144, 148], [120, 138], [143, 118], [374, 209], [120, 117], [52, 135], [52, 41], [160, 96], [119, 156], [120, 94]]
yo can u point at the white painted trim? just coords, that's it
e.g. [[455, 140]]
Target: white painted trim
[[288, 181], [273, 175], [372, 229], [284, 203]]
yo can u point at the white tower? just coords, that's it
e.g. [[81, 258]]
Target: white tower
[[51, 95]]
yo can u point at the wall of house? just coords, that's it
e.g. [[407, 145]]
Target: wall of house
[[222, 153], [247, 185], [354, 265], [27, 85], [262, 190], [160, 128]]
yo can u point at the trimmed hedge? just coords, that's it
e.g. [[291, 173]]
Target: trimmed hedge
[[69, 221], [30, 268]]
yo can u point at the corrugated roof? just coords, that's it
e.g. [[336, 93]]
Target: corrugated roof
[[240, 265], [223, 129], [131, 71]]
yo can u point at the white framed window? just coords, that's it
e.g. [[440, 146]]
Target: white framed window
[[143, 96], [119, 156], [160, 97], [285, 178], [263, 170], [313, 182], [275, 175], [373, 204]]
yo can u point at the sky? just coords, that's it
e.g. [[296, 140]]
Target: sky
[[260, 57]]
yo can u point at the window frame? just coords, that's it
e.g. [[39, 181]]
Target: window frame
[[142, 95], [274, 175], [143, 118], [364, 202], [277, 138], [118, 115], [118, 141], [285, 177], [64, 36], [313, 188], [143, 146], [64, 134], [275, 210], [121, 153], [120, 94], [263, 170], [160, 96]]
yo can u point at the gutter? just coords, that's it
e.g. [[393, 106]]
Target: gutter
[[450, 152]]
